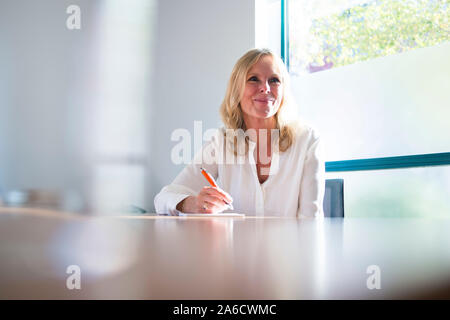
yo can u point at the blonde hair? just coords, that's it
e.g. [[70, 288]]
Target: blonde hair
[[231, 111]]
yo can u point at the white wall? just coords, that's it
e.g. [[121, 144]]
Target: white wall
[[198, 43], [58, 89], [44, 78]]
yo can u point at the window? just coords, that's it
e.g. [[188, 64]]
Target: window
[[372, 76]]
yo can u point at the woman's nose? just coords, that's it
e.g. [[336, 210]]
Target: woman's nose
[[264, 87]]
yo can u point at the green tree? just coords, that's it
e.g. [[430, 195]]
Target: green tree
[[375, 29]]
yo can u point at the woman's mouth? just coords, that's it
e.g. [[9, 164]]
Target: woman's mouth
[[263, 100]]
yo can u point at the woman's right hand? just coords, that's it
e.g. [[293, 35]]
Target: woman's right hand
[[209, 200]]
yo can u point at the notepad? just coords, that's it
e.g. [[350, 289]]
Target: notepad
[[207, 215]]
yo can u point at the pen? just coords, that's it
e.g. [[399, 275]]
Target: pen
[[214, 184]]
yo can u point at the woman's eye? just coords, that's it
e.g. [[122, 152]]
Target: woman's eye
[[253, 79], [274, 80]]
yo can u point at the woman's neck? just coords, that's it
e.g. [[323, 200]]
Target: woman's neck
[[260, 130], [257, 124]]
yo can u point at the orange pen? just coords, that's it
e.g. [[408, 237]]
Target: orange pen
[[213, 184]]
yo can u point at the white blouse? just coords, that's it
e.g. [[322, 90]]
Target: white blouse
[[295, 186]]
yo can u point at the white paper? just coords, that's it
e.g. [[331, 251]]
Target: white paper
[[205, 215]]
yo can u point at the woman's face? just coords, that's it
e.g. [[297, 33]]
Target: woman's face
[[263, 90]]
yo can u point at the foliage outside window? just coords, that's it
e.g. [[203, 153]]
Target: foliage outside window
[[362, 30]]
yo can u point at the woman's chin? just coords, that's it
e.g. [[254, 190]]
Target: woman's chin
[[265, 113], [262, 113], [263, 116]]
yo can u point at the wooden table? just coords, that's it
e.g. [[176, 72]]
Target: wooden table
[[150, 257]]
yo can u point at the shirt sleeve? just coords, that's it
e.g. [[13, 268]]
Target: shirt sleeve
[[312, 185], [190, 180]]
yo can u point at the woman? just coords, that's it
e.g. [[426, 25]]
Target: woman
[[265, 162]]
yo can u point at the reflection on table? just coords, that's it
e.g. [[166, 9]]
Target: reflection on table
[[151, 257]]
